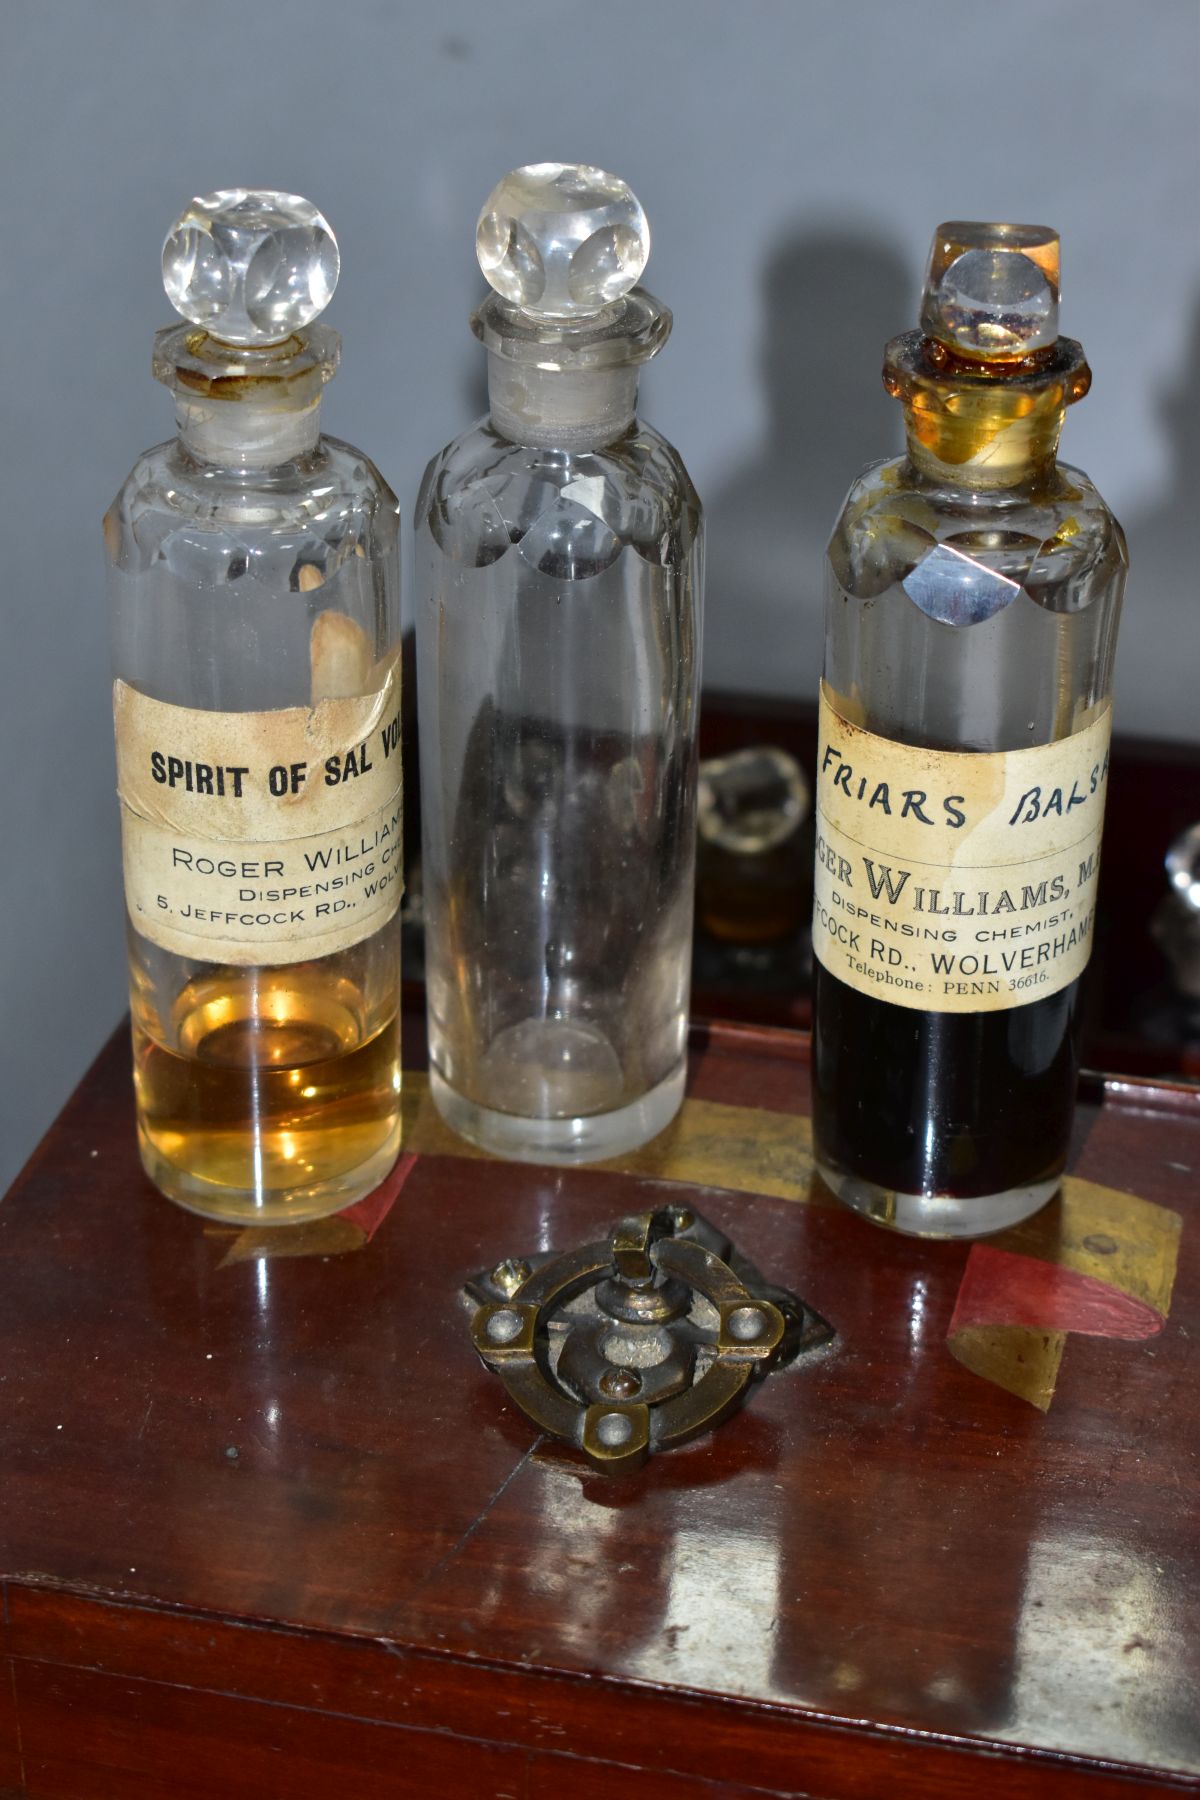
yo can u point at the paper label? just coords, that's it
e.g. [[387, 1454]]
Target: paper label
[[266, 837], [956, 881]]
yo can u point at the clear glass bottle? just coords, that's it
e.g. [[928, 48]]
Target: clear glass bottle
[[558, 652], [255, 604], [974, 588]]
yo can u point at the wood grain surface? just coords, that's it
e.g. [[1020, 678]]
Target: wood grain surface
[[268, 1526]]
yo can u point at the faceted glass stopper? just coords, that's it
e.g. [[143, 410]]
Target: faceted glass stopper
[[250, 265], [991, 291], [562, 240]]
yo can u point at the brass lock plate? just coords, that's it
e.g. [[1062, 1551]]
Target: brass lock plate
[[640, 1342]]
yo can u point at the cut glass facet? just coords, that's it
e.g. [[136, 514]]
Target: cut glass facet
[[569, 542], [951, 586], [562, 240], [250, 265]]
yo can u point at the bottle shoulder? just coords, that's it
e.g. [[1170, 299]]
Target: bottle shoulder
[[894, 480], [483, 494], [335, 493], [1059, 539]]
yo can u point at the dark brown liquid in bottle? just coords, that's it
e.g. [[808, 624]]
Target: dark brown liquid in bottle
[[954, 1104]]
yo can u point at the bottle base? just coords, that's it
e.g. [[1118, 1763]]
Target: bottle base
[[938, 1215], [247, 1206], [591, 1137]]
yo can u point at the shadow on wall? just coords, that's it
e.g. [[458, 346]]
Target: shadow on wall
[[1158, 655], [833, 299]]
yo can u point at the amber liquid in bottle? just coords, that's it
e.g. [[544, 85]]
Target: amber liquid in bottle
[[255, 585], [281, 1099]]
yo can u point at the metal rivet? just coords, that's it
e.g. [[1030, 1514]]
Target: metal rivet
[[509, 1275], [614, 1429], [746, 1323], [620, 1384], [503, 1327]]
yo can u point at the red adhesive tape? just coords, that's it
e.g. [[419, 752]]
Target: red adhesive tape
[[1001, 1288]]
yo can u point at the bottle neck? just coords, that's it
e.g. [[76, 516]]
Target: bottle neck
[[568, 384], [983, 427], [246, 407], [238, 434], [988, 444], [563, 409]]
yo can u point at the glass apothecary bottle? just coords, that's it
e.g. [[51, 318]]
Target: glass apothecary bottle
[[558, 651], [974, 588], [255, 606]]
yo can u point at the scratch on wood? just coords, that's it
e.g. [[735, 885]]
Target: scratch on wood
[[473, 1527]]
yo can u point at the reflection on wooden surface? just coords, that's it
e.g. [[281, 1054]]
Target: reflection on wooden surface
[[268, 1525], [1126, 1246]]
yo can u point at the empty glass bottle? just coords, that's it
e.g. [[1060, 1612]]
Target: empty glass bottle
[[974, 590], [255, 595], [558, 646]]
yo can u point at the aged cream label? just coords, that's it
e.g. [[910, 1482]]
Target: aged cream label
[[956, 881], [265, 837]]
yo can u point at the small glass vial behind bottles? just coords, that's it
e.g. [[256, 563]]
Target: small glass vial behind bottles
[[754, 862], [974, 590], [558, 647], [256, 626], [754, 867]]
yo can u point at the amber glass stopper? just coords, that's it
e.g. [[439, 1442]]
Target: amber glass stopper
[[991, 290]]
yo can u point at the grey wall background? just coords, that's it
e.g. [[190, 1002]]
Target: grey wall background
[[794, 157]]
